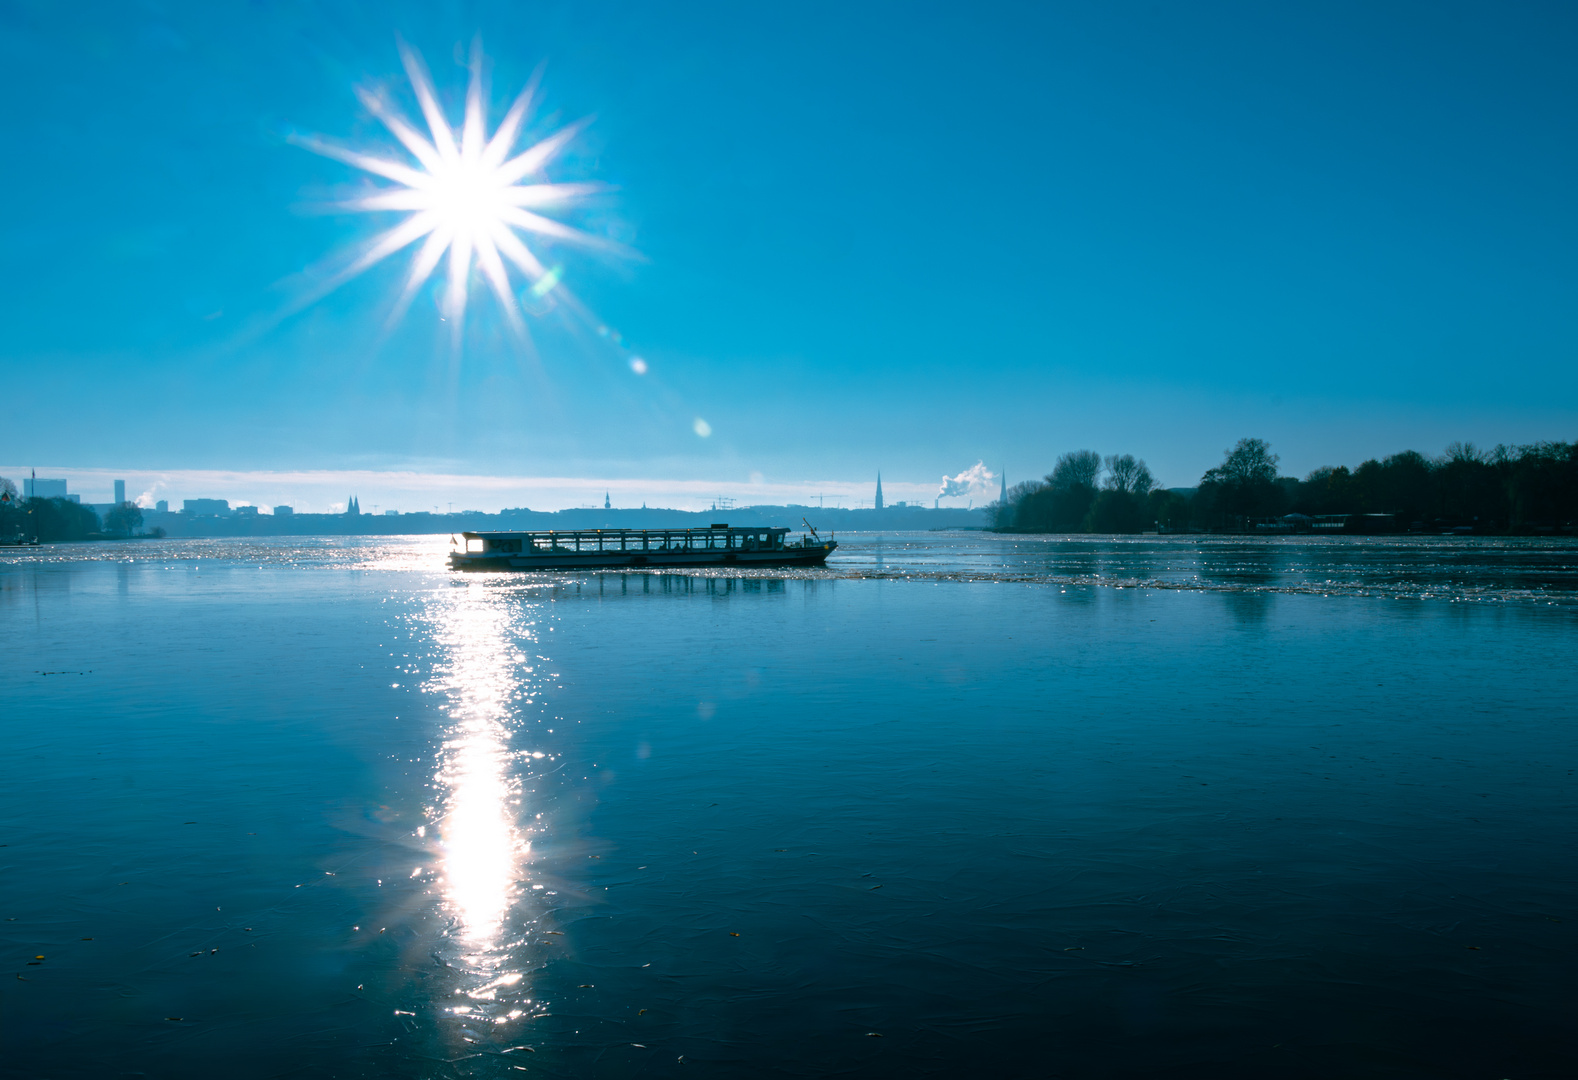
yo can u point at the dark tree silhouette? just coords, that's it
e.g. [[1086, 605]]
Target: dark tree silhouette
[[1077, 468], [123, 519], [1519, 489], [1243, 486], [54, 519], [1129, 475]]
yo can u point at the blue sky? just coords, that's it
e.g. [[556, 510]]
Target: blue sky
[[905, 237]]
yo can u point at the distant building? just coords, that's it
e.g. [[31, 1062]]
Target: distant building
[[206, 507], [35, 488], [1003, 498], [391, 513], [246, 511], [284, 511], [353, 508], [120, 492], [607, 504], [163, 506], [878, 504]]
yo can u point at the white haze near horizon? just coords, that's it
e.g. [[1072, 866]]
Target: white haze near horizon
[[326, 490]]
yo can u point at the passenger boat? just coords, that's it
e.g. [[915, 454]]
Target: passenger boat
[[652, 549]]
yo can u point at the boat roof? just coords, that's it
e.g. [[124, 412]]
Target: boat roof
[[710, 530]]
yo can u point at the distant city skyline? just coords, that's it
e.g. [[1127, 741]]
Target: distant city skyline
[[326, 491]]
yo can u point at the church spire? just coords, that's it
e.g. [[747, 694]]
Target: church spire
[[1003, 498], [607, 505], [879, 489]]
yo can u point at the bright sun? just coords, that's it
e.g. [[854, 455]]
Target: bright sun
[[465, 195]]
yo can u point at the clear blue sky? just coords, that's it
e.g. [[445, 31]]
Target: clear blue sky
[[903, 236]]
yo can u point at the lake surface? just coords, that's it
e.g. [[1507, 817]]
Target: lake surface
[[959, 805]]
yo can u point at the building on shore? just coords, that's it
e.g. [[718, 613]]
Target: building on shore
[[206, 507], [34, 488], [877, 505]]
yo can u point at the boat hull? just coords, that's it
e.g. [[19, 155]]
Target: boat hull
[[814, 555]]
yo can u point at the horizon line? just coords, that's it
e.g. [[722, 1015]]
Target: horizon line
[[412, 490]]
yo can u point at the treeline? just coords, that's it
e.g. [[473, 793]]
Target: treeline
[[52, 520], [1509, 489]]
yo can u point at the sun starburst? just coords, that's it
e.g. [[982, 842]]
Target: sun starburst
[[466, 196]]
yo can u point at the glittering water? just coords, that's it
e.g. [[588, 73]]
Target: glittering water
[[959, 805]]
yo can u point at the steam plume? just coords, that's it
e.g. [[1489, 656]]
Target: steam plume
[[974, 479]]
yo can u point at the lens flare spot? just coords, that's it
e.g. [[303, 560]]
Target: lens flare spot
[[548, 282], [702, 428], [638, 365]]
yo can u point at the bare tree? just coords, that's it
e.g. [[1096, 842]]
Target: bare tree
[[123, 518], [1249, 463], [1245, 484], [1465, 453], [1128, 474], [1077, 468]]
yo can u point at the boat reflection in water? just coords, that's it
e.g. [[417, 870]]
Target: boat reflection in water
[[489, 679]]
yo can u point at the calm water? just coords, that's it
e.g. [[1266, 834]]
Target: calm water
[[959, 805]]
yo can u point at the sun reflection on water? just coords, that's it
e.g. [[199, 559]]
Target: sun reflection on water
[[486, 677]]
